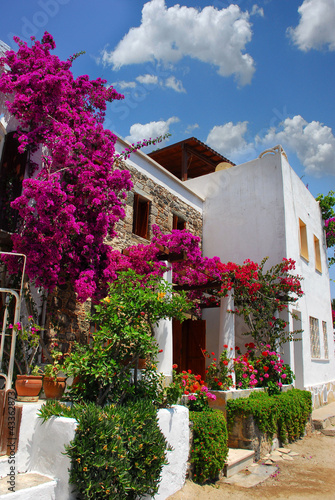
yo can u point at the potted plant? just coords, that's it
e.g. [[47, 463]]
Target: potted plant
[[28, 384], [54, 383]]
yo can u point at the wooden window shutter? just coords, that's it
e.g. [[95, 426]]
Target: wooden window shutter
[[141, 216], [178, 222]]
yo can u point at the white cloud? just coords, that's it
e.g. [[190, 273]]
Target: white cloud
[[174, 84], [190, 128], [312, 142], [124, 85], [139, 131], [210, 35], [147, 79], [229, 139], [316, 26]]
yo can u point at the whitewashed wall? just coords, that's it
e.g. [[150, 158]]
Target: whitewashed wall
[[252, 211]]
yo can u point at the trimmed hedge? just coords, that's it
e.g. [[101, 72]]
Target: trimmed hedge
[[209, 449], [285, 414]]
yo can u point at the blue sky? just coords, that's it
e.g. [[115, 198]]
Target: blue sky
[[240, 77]]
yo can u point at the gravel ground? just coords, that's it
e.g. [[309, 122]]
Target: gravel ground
[[311, 475]]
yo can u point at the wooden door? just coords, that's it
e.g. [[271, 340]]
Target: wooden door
[[10, 420], [189, 341]]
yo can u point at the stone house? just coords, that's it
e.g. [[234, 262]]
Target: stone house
[[256, 209]]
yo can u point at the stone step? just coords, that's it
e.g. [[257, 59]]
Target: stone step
[[324, 417], [29, 486], [237, 460], [329, 430]]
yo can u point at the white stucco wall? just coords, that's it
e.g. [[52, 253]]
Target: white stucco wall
[[174, 424], [300, 204], [252, 211]]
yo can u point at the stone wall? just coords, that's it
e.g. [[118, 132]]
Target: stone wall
[[164, 204], [66, 318]]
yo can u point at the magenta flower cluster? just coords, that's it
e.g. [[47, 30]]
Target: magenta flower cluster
[[77, 196]]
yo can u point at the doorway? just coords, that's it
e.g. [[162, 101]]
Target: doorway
[[189, 342]]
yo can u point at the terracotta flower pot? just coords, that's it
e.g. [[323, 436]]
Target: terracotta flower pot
[[142, 364], [54, 389], [28, 387]]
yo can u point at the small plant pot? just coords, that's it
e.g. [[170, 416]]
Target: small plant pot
[[54, 388], [28, 387]]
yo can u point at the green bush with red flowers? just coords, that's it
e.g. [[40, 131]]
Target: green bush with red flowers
[[209, 448], [219, 372]]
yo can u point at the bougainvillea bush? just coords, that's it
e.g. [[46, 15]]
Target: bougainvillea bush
[[70, 205]]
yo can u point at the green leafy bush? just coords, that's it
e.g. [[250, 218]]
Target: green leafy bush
[[209, 449], [117, 453], [106, 369], [285, 414]]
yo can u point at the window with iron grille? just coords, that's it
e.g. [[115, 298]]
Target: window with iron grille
[[325, 340], [314, 337]]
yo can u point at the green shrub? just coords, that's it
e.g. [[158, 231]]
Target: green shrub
[[209, 449], [117, 453], [285, 414]]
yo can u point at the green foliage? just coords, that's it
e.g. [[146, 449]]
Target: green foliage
[[327, 204], [106, 369], [117, 453], [209, 448], [284, 414]]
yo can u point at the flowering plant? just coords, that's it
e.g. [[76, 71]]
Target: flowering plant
[[52, 370], [261, 369], [260, 295], [183, 383], [219, 372], [29, 337], [199, 400]]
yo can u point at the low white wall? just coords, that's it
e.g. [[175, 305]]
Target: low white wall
[[174, 424], [41, 448]]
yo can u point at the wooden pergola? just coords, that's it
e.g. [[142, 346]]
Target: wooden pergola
[[189, 159]]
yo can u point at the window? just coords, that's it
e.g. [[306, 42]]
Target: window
[[141, 216], [303, 240], [12, 170], [325, 339], [314, 337], [317, 253], [178, 222]]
